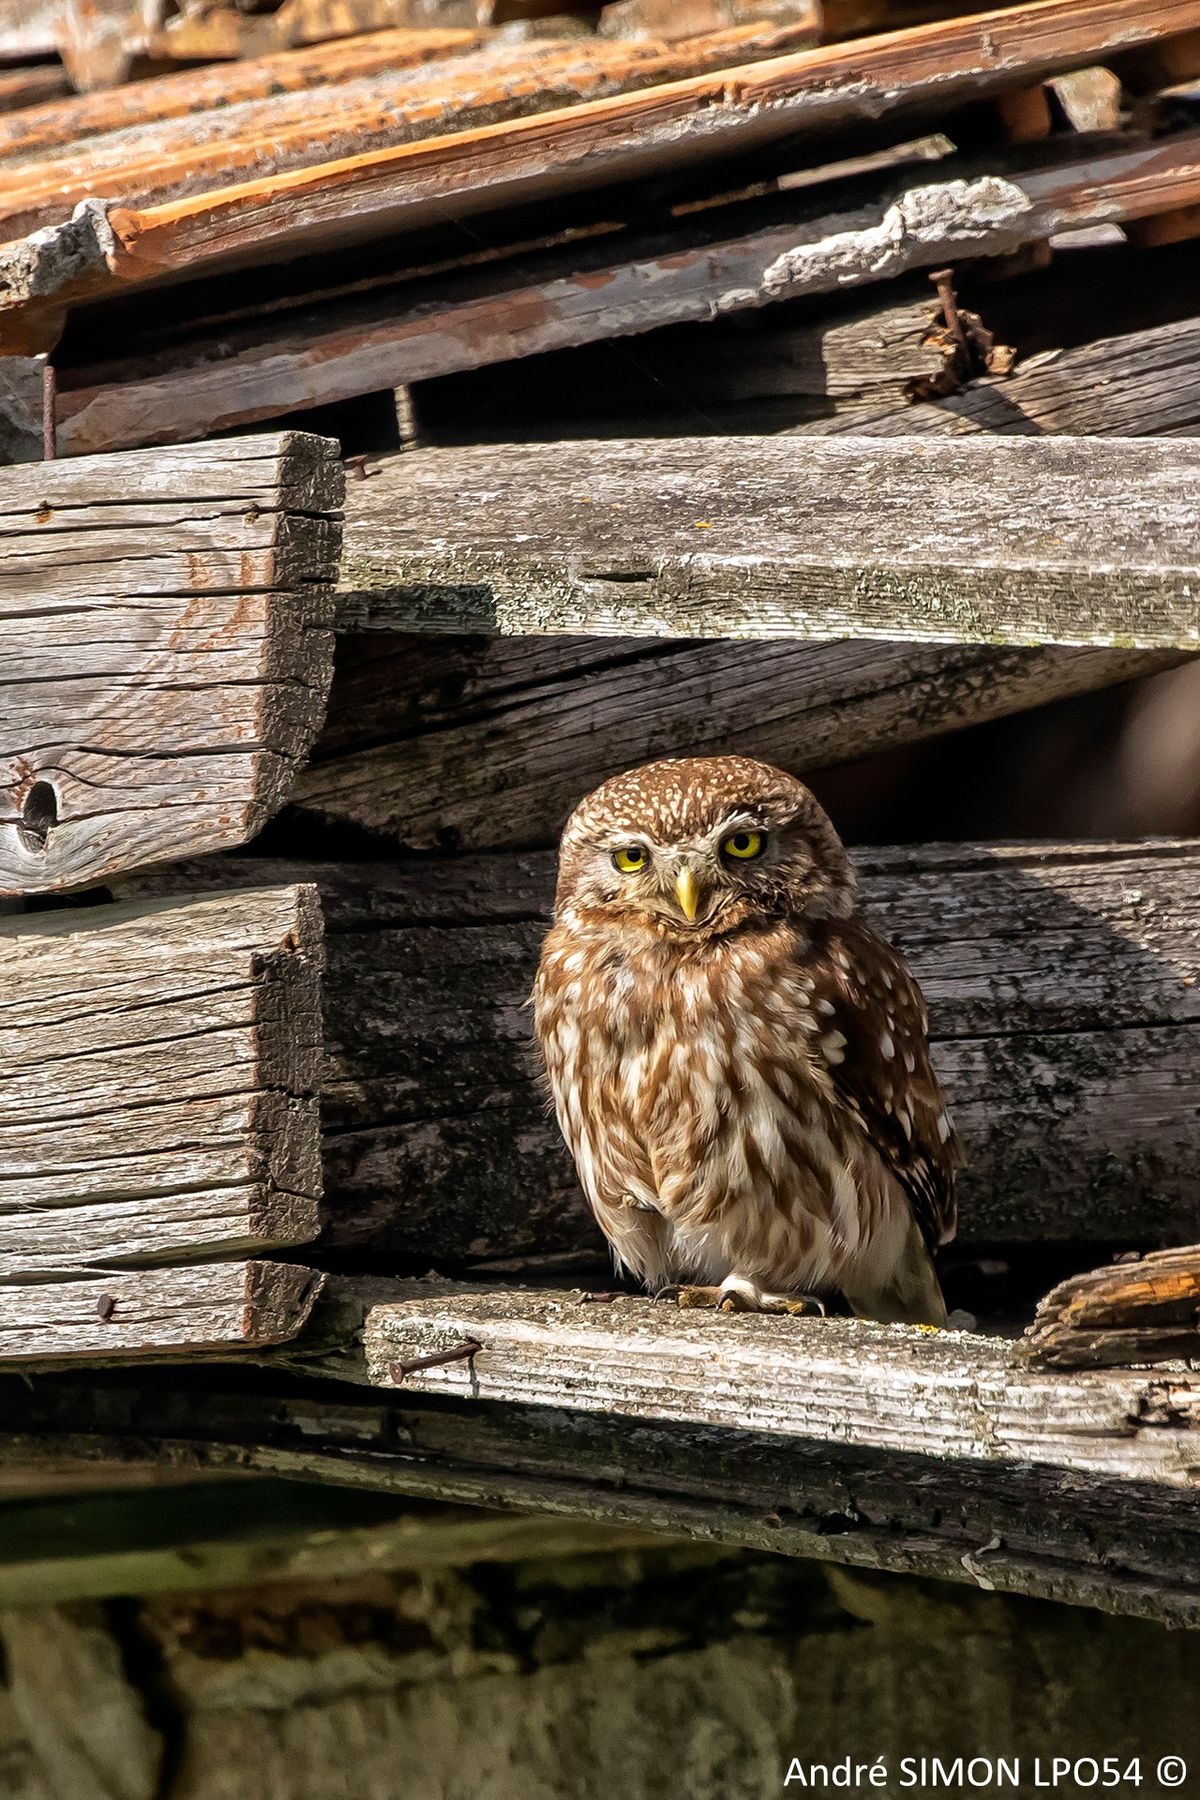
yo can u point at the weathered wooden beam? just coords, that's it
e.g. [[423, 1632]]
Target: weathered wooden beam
[[165, 651], [601, 141], [487, 743], [1137, 1310], [763, 537], [1064, 995], [33, 85], [159, 1106], [210, 1309], [1140, 384], [164, 160], [1124, 1545], [894, 1389], [737, 258], [243, 1533]]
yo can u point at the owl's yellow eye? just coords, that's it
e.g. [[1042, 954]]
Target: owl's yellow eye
[[744, 846], [630, 858]]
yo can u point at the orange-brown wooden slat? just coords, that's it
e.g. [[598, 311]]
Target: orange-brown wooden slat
[[702, 117]]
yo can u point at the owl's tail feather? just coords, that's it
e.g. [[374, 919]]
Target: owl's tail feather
[[911, 1295]]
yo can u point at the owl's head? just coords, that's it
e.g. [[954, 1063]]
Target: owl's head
[[698, 846]]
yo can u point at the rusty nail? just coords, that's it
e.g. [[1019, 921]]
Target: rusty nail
[[49, 411], [943, 281], [460, 1353], [359, 465], [773, 1519], [106, 1306]]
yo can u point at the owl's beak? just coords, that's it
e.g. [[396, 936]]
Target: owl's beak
[[687, 892]]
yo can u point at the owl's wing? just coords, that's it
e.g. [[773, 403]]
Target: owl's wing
[[874, 1040]]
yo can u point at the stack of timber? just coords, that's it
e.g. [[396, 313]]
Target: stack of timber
[[314, 226], [214, 1122]]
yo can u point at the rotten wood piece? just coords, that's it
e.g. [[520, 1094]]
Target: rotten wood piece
[[1064, 994], [30, 86], [1126, 1545], [764, 537], [160, 1106], [1140, 384], [165, 650], [1139, 1310], [481, 743], [697, 119], [213, 1308]]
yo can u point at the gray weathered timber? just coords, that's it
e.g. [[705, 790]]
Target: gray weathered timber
[[1064, 994], [1124, 1545], [888, 1388], [159, 1102], [1140, 384], [210, 1309], [975, 542], [165, 649], [486, 743]]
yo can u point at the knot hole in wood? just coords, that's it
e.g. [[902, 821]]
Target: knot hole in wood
[[38, 816]]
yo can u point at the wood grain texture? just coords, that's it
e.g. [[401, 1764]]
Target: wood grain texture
[[739, 258], [487, 743], [1064, 995], [1138, 384], [165, 650], [414, 99], [80, 117], [1138, 1311], [1127, 1546], [160, 1096], [212, 1308], [762, 537], [601, 141], [895, 1389]]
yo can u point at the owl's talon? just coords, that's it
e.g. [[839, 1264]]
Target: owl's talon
[[684, 1295]]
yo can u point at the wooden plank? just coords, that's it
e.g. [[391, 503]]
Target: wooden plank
[[160, 1097], [486, 743], [82, 117], [1139, 384], [1138, 1310], [212, 1308], [699, 118], [1126, 1546], [33, 85], [161, 161], [762, 537], [165, 651], [1064, 994], [716, 263], [895, 1389], [243, 1533]]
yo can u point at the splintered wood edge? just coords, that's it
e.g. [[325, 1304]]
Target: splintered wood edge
[[826, 1380], [151, 1313], [1145, 1311]]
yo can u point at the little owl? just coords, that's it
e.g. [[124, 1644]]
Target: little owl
[[739, 1064]]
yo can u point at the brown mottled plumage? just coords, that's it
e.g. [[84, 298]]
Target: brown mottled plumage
[[739, 1064]]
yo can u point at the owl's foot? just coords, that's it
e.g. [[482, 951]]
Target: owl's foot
[[685, 1295], [737, 1294]]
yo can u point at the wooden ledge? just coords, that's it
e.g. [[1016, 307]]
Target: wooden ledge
[[824, 1381]]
